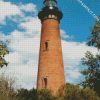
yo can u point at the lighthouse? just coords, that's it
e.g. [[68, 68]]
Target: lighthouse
[[50, 68]]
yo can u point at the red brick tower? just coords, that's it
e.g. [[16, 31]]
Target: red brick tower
[[51, 68]]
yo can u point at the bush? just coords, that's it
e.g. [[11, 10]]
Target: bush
[[34, 94], [75, 92], [45, 95]]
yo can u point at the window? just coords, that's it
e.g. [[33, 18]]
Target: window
[[45, 82], [50, 16], [53, 16], [46, 45]]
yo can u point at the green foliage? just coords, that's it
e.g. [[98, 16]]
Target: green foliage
[[70, 92], [3, 52], [24, 94], [92, 72], [89, 94], [94, 39], [34, 94], [45, 95], [74, 92], [67, 92]]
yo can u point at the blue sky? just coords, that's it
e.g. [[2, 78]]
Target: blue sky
[[76, 20], [20, 25]]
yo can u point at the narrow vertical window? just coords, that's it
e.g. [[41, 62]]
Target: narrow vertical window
[[46, 45], [45, 82]]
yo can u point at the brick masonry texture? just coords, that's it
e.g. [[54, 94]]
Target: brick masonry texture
[[50, 59]]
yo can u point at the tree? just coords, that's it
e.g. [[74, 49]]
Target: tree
[[24, 94], [75, 92], [67, 92], [34, 94], [94, 39], [92, 72], [6, 89], [3, 52]]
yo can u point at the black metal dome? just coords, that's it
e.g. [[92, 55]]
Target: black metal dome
[[50, 9]]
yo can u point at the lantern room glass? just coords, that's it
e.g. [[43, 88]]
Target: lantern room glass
[[50, 3]]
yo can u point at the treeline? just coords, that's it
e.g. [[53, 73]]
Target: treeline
[[67, 92]]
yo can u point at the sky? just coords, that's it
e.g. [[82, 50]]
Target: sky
[[20, 25]]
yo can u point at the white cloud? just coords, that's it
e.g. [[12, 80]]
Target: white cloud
[[8, 9], [2, 37], [31, 25], [13, 58], [28, 7], [73, 74], [74, 51], [65, 36]]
